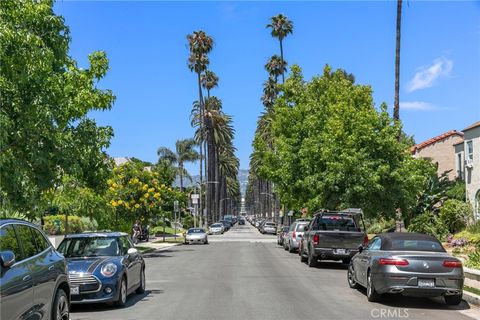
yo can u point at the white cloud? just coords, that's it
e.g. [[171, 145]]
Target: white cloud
[[426, 76], [417, 106]]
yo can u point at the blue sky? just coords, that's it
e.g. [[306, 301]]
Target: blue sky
[[146, 45]]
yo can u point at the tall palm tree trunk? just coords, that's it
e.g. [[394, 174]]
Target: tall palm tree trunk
[[281, 56], [200, 99], [180, 165], [396, 104]]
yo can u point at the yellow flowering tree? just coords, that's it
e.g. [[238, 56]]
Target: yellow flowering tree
[[138, 193]]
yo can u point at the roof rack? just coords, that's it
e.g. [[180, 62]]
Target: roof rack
[[350, 211]]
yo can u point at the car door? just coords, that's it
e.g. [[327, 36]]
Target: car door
[[16, 285], [46, 268], [131, 263]]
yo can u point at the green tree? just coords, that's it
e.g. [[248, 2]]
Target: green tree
[[184, 152], [281, 27], [332, 148], [45, 99]]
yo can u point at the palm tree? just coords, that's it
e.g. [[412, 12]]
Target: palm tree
[[396, 104], [275, 67], [209, 81], [184, 152], [200, 45], [281, 27]]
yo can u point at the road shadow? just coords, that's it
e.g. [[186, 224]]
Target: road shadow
[[132, 300], [399, 301], [334, 265]]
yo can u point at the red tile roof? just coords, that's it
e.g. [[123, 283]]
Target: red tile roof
[[476, 124], [430, 141]]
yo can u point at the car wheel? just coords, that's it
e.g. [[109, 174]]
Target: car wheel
[[311, 260], [453, 300], [285, 246], [122, 293], [302, 257], [141, 288], [352, 283], [372, 295], [61, 306]]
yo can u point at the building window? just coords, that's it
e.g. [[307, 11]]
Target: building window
[[470, 150], [459, 166]]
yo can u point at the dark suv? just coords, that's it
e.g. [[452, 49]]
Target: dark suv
[[33, 280]]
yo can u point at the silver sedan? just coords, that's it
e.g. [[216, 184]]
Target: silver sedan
[[196, 235], [410, 264]]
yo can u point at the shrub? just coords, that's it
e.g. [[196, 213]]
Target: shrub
[[474, 228], [380, 225], [55, 224], [473, 260], [455, 214], [88, 224], [470, 237], [428, 223]]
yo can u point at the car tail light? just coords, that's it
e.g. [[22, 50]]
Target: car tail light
[[392, 262], [316, 239], [452, 264], [294, 235], [365, 240]]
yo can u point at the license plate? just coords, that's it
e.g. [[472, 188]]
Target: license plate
[[340, 251], [74, 290], [429, 283]]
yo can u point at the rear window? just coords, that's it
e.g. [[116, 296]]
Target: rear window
[[336, 222], [415, 245], [270, 224], [301, 227]]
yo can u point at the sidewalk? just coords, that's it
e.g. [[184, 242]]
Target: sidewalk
[[156, 244]]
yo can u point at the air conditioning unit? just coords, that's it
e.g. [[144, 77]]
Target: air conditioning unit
[[469, 163]]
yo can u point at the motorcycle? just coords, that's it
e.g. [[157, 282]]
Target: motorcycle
[[145, 234]]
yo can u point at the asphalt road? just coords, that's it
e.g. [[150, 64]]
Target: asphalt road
[[245, 275]]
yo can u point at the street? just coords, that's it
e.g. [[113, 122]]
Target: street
[[246, 275]]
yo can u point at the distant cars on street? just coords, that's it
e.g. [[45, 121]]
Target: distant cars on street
[[216, 228], [34, 280], [281, 235], [269, 228], [103, 267], [409, 264], [294, 236], [196, 235]]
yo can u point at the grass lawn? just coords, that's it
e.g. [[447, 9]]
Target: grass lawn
[[142, 249], [472, 290]]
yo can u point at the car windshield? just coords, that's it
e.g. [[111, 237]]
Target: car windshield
[[336, 222], [89, 247], [192, 231], [416, 245]]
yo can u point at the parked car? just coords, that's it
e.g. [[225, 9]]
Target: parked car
[[411, 264], [227, 224], [29, 265], [269, 227], [216, 228], [241, 221], [281, 235], [294, 235], [196, 235], [103, 267], [333, 235]]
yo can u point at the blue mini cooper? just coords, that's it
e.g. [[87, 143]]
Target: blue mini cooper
[[103, 267]]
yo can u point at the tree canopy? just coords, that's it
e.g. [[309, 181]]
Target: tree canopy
[[45, 99]]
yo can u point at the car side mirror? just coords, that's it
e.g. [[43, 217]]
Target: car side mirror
[[305, 229], [132, 251], [7, 259], [360, 249]]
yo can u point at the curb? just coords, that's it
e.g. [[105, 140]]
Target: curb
[[160, 249], [471, 298]]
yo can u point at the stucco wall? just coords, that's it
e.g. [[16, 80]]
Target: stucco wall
[[472, 175], [443, 153]]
